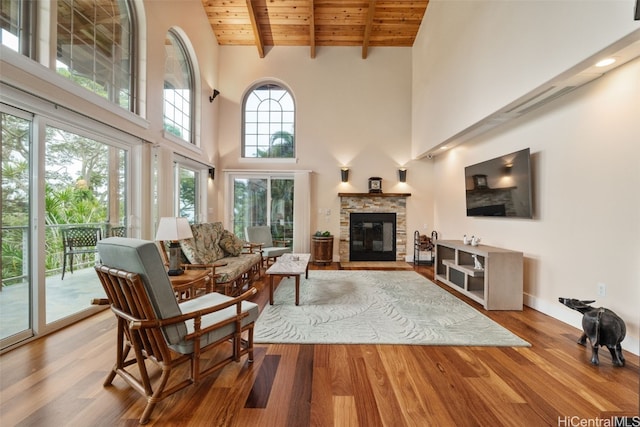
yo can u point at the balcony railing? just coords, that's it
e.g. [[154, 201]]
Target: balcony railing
[[15, 246]]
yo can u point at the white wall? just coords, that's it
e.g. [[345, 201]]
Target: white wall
[[350, 111], [472, 58], [585, 161]]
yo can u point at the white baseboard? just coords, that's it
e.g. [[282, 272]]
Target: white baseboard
[[573, 318]]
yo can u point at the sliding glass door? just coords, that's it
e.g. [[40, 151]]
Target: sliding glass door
[[57, 176], [15, 290], [85, 183], [266, 200]]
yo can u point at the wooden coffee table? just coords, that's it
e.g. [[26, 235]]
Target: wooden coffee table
[[288, 265]]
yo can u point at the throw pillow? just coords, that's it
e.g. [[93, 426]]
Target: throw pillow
[[204, 247], [231, 244]]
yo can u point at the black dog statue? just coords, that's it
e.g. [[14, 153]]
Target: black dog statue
[[603, 328]]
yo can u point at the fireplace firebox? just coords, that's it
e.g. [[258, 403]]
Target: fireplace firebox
[[372, 236]]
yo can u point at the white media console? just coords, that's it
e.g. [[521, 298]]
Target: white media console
[[497, 286]]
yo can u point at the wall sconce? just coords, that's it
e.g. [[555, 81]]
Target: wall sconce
[[344, 174], [212, 173], [402, 174], [216, 92]]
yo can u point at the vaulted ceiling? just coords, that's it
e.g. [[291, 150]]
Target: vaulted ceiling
[[315, 23]]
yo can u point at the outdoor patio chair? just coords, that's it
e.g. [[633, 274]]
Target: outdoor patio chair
[[271, 249], [118, 232], [78, 241], [162, 332]]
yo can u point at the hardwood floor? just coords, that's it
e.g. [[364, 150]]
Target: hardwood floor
[[57, 381]]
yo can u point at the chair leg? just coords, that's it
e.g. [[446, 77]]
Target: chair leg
[[64, 265], [250, 344], [156, 396]]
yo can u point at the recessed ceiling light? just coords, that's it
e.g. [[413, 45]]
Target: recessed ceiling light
[[444, 147], [605, 62]]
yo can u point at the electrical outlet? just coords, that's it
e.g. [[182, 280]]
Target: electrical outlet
[[602, 290], [328, 212]]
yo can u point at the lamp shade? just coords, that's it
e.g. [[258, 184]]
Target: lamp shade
[[173, 228]]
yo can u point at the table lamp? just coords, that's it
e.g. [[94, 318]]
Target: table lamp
[[173, 229]]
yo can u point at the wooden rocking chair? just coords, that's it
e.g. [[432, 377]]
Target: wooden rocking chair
[[161, 331]]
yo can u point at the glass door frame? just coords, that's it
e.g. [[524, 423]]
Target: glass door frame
[[300, 217], [29, 332], [43, 114]]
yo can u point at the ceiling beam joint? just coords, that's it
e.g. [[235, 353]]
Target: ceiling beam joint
[[367, 29], [312, 29], [256, 29]]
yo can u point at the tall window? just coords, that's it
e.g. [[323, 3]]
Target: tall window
[[178, 90], [187, 192], [94, 47], [269, 122], [16, 24]]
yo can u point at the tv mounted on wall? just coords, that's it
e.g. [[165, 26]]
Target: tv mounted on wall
[[500, 186]]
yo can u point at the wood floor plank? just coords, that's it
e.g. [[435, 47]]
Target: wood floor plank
[[57, 380], [345, 412], [300, 405], [406, 385], [367, 406], [261, 389], [321, 397]]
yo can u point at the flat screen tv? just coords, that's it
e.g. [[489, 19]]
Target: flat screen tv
[[500, 187]]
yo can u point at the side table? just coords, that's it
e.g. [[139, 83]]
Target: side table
[[189, 282]]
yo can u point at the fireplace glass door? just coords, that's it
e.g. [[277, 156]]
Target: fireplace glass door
[[372, 237]]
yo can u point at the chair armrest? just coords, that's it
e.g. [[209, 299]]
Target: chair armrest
[[99, 301], [251, 247], [212, 267], [278, 242], [194, 315]]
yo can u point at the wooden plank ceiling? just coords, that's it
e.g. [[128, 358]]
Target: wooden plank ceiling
[[313, 23]]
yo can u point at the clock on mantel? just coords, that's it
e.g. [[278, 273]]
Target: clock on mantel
[[375, 184]]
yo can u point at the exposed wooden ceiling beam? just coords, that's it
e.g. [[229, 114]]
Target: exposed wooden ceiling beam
[[256, 29], [315, 23], [367, 28], [312, 30]]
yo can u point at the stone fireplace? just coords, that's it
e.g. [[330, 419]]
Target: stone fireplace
[[376, 240]]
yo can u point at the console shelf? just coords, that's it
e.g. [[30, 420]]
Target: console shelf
[[497, 286]]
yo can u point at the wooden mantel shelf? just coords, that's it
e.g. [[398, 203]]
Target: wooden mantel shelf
[[374, 194]]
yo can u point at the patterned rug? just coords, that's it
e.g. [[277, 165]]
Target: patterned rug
[[375, 307]]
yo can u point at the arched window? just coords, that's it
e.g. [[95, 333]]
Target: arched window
[[95, 47], [178, 89], [268, 122]]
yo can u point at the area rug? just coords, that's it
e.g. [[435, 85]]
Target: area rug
[[375, 307]]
